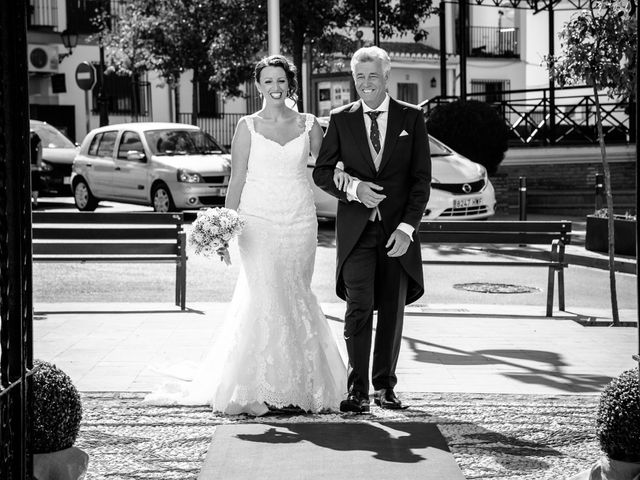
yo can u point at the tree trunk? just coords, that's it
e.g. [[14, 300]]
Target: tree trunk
[[610, 217], [298, 48], [176, 92], [194, 96], [134, 96]]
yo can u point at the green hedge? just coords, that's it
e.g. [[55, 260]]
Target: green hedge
[[618, 422], [56, 409], [473, 129]]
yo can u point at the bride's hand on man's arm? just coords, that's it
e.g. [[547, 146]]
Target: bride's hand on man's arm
[[341, 179]]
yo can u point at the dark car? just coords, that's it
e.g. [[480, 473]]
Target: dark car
[[58, 153]]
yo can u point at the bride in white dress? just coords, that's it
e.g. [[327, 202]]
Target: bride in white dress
[[276, 348]]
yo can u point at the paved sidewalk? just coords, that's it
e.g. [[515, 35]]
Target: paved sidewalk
[[464, 348]]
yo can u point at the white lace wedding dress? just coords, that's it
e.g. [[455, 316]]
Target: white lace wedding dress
[[276, 346]]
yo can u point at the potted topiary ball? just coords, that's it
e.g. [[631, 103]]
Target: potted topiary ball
[[56, 412], [618, 431]]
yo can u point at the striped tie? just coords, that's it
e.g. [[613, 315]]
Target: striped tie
[[374, 134]]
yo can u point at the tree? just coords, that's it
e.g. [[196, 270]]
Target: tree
[[300, 23], [126, 48], [217, 40], [473, 129], [599, 49]]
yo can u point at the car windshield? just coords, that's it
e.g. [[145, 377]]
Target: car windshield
[[181, 142], [438, 149], [51, 137]]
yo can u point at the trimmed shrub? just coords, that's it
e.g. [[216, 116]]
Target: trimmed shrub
[[473, 129], [56, 409], [618, 422]]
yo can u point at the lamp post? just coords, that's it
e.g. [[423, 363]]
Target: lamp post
[[273, 27], [70, 41], [359, 42], [376, 24]]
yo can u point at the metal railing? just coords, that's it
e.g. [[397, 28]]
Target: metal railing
[[222, 127], [534, 119], [499, 42], [81, 13]]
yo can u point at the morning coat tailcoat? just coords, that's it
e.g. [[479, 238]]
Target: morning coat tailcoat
[[404, 173]]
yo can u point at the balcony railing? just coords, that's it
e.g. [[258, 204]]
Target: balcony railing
[[501, 42], [570, 119], [82, 13], [43, 14]]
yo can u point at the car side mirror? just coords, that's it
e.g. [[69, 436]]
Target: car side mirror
[[136, 156]]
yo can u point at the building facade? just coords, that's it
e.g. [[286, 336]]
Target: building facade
[[506, 47]]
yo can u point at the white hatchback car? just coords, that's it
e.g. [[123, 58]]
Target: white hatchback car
[[170, 166], [460, 188]]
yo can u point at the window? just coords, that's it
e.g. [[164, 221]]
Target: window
[[93, 148], [208, 100], [129, 141], [490, 91], [408, 92], [122, 94], [106, 143]]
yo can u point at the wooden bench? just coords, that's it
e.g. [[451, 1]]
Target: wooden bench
[[557, 234], [113, 237]]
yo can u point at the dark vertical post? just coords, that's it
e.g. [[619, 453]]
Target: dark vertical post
[[16, 310], [102, 101], [552, 86], [463, 38], [522, 199], [443, 50], [637, 110], [599, 190], [376, 24]]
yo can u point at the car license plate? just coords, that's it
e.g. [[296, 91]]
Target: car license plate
[[66, 180], [467, 202]]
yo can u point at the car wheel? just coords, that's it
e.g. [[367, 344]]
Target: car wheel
[[161, 198], [82, 196]]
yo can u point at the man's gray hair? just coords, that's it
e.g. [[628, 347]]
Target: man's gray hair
[[371, 54]]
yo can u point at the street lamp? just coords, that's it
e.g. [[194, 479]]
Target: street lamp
[[359, 42], [70, 41]]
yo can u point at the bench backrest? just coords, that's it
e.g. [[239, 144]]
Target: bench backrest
[[508, 232], [89, 233]]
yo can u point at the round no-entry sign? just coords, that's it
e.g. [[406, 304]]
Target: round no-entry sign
[[85, 76]]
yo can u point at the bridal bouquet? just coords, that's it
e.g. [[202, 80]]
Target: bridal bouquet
[[212, 230]]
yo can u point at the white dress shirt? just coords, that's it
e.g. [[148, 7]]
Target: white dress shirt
[[383, 118]]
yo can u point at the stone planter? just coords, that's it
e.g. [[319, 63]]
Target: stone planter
[[68, 464], [624, 231], [608, 469]]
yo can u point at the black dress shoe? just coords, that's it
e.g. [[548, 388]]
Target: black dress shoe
[[386, 398], [356, 402]]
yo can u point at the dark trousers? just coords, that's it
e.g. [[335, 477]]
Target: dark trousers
[[372, 278]]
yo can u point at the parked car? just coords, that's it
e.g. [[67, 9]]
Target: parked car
[[169, 166], [58, 153], [460, 188]]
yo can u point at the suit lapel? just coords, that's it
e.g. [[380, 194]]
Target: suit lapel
[[395, 121], [359, 134]]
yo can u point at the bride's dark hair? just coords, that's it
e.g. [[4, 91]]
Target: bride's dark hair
[[282, 62]]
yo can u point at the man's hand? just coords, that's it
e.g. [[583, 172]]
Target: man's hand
[[368, 196], [398, 243]]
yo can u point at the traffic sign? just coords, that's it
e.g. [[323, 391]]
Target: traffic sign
[[85, 75]]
